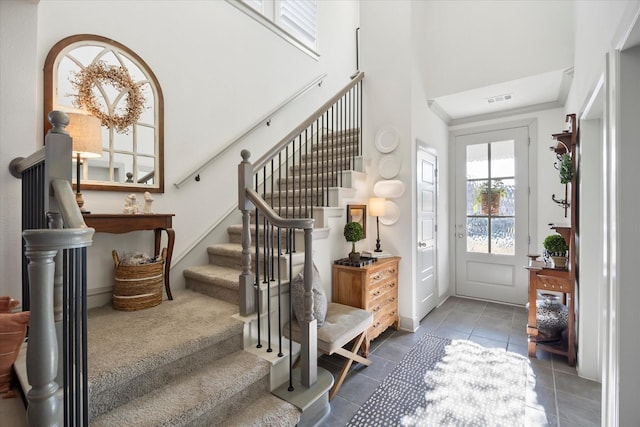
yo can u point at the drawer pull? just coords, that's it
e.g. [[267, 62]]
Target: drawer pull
[[391, 285], [377, 293], [375, 310], [376, 277]]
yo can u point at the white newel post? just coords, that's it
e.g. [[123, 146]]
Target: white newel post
[[55, 221], [247, 278], [42, 351], [309, 345]]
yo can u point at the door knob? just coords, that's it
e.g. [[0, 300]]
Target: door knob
[[460, 235], [422, 245]]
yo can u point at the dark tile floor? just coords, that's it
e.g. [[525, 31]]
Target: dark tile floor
[[556, 396]]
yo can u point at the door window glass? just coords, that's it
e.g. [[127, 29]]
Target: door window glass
[[490, 197]]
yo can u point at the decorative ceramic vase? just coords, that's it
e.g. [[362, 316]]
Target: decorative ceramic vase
[[551, 315]]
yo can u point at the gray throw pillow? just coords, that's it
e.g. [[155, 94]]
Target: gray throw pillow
[[319, 297]]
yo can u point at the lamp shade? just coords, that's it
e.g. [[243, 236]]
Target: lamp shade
[[377, 206], [84, 130]]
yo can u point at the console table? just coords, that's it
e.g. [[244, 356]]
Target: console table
[[124, 223]]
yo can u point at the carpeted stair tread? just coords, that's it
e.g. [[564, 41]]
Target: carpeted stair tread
[[225, 249], [225, 277], [192, 396], [269, 410], [123, 345]]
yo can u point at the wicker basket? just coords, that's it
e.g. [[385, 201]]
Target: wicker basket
[[138, 286]]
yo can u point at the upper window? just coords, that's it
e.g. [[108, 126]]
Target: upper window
[[295, 18], [92, 74]]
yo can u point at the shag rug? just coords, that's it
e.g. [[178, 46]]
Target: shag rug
[[443, 382]]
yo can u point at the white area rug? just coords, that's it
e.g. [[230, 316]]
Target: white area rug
[[441, 382]]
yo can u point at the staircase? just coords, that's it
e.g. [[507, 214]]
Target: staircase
[[184, 361]]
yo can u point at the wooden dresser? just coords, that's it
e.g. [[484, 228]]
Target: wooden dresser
[[373, 287]]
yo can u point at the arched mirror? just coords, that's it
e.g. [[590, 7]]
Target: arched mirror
[[95, 75]]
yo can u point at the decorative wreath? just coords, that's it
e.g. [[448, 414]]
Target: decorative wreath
[[101, 73]]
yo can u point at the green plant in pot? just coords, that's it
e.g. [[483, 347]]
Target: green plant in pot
[[487, 197], [353, 233], [556, 248]]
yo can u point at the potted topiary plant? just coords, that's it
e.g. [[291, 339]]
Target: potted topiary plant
[[353, 232], [485, 202], [556, 248]]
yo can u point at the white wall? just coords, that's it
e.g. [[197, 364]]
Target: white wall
[[18, 127], [394, 97], [471, 44], [219, 70]]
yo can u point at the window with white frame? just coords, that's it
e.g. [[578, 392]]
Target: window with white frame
[[296, 17]]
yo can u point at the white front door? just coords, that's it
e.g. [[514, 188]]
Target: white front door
[[491, 227], [427, 226]]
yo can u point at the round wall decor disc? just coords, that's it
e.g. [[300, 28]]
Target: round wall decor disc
[[389, 166], [387, 139], [392, 213]]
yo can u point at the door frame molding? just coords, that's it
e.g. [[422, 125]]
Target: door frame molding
[[532, 125]]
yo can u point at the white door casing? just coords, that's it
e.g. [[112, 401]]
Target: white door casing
[[426, 217], [492, 242]]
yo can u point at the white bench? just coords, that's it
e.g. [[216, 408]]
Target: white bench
[[342, 325]]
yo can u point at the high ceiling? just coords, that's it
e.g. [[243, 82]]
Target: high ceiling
[[485, 59]]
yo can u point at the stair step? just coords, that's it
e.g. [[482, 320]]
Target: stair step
[[295, 181], [306, 197], [209, 395], [215, 281], [133, 353], [269, 410], [310, 167]]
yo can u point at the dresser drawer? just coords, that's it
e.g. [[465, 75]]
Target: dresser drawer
[[383, 289], [382, 321], [382, 304], [382, 274], [555, 284]]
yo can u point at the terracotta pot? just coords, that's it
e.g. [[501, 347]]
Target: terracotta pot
[[493, 206], [354, 256]]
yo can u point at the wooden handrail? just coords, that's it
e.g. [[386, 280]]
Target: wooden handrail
[[356, 78], [274, 218]]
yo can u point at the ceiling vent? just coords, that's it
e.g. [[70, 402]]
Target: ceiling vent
[[499, 98]]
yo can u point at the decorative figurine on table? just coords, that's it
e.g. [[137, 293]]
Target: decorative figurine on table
[[148, 200], [130, 204]]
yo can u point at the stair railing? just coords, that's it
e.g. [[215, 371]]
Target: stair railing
[[295, 175], [303, 166], [250, 284], [54, 282]]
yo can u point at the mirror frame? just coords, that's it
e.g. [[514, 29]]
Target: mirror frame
[[49, 89], [363, 213]]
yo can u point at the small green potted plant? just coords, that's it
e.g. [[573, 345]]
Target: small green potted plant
[[556, 248], [353, 233], [485, 202]]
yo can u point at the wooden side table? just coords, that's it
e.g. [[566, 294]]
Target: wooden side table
[[372, 287], [556, 280], [124, 223]]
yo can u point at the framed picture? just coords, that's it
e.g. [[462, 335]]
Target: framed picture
[[358, 213]]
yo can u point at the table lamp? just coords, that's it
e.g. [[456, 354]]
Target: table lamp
[[377, 208], [84, 130]]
